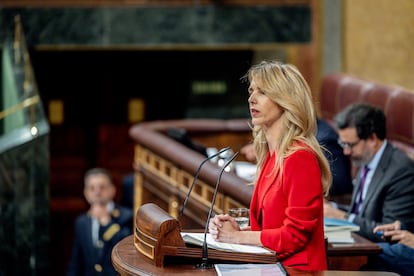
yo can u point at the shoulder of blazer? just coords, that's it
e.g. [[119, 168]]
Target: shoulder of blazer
[[122, 213], [391, 152], [393, 157], [399, 156]]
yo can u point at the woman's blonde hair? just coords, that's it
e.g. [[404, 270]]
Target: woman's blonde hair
[[285, 85]]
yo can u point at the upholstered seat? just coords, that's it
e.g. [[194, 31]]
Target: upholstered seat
[[339, 90]]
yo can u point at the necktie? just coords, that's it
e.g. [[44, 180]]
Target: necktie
[[361, 189]]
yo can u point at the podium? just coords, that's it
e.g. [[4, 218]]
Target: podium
[[127, 262], [157, 237]]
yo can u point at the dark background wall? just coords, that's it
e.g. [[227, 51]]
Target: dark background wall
[[100, 83], [150, 26]]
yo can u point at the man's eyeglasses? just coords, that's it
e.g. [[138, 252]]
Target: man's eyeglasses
[[348, 146]]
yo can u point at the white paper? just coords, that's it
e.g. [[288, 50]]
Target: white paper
[[198, 239]]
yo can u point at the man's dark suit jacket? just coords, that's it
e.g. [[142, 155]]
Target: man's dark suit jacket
[[86, 258], [340, 164], [390, 194]]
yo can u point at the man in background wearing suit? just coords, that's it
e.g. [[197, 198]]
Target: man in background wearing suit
[[384, 186], [100, 228]]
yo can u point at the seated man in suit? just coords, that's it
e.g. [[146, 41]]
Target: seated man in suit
[[384, 186], [339, 163], [100, 228], [398, 250]]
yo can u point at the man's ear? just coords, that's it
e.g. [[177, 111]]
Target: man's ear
[[373, 140], [373, 136]]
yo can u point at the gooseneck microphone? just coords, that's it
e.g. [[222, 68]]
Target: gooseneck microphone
[[195, 179], [204, 259]]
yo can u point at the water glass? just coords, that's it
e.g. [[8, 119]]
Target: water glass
[[241, 215]]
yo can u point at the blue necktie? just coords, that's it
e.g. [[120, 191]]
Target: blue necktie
[[358, 201]]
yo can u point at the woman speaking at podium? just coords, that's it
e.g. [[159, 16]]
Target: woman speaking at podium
[[286, 209]]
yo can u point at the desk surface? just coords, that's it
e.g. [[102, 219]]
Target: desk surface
[[351, 256], [128, 262], [361, 246]]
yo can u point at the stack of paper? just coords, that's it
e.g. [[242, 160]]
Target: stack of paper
[[198, 239], [339, 231]]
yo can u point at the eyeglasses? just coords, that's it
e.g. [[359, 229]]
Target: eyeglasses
[[348, 146]]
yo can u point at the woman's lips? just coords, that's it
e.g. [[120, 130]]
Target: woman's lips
[[253, 112]]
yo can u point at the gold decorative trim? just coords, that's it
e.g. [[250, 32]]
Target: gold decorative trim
[[202, 192], [112, 230], [20, 106], [144, 247], [173, 206]]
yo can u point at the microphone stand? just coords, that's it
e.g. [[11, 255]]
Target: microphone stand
[[195, 179], [204, 260]]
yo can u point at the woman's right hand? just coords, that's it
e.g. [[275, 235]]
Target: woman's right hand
[[214, 224], [222, 223]]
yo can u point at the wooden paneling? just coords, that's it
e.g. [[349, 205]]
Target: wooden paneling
[[378, 41]]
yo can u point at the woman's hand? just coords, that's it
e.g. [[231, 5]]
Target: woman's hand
[[223, 227]]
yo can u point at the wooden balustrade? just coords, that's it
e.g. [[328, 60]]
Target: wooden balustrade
[[165, 169]]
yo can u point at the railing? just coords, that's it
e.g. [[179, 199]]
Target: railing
[[165, 170]]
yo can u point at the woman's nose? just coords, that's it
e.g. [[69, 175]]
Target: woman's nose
[[251, 99]]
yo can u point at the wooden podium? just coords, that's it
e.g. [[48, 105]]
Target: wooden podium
[[157, 237]]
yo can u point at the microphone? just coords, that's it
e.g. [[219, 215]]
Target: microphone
[[204, 264], [195, 179]]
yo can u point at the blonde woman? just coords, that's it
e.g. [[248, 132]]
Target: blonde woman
[[286, 209]]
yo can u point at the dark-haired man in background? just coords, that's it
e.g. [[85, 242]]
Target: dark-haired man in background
[[384, 185]]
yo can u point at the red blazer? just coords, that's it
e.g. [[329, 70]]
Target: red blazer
[[289, 212]]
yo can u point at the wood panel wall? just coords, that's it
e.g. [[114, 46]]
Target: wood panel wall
[[378, 41]]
